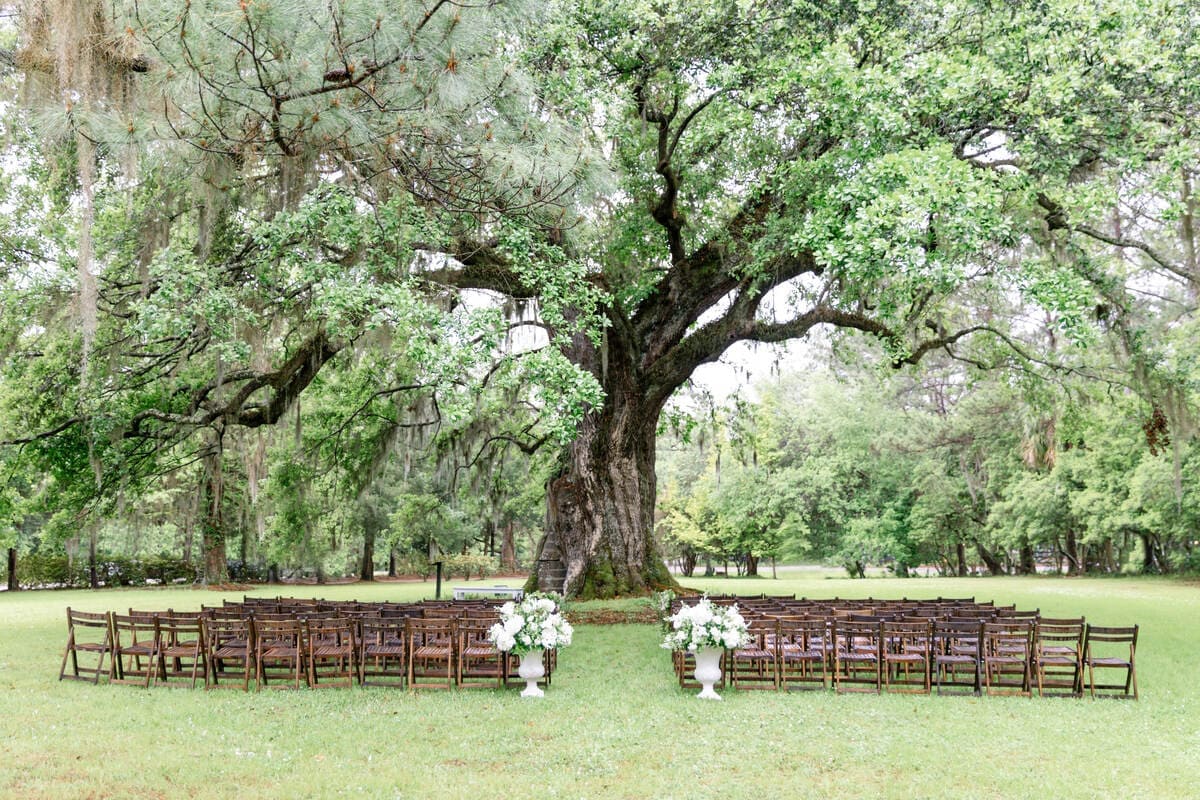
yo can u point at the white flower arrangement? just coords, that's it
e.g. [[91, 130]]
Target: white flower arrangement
[[706, 625], [536, 623]]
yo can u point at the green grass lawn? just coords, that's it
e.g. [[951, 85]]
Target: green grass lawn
[[614, 723]]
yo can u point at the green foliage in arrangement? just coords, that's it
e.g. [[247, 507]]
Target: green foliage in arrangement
[[614, 723]]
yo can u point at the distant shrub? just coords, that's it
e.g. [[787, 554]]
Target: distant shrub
[[467, 565], [246, 571], [39, 571]]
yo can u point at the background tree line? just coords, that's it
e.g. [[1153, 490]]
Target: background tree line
[[954, 470]]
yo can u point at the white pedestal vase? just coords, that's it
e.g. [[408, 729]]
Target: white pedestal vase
[[708, 671], [531, 670]]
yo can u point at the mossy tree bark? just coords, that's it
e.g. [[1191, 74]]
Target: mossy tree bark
[[212, 519]]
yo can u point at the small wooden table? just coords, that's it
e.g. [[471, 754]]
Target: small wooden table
[[511, 592]]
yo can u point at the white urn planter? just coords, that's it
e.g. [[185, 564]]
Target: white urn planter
[[708, 671], [531, 670]]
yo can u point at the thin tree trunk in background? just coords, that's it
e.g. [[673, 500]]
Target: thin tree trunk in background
[[960, 548], [392, 563], [212, 522], [367, 573], [1028, 566], [13, 583], [1187, 230], [489, 536], [993, 564], [508, 549], [1109, 558], [1072, 554], [93, 578]]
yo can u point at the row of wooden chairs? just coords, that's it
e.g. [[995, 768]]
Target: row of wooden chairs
[[229, 647], [985, 653]]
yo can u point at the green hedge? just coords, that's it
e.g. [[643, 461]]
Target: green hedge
[[467, 565], [38, 571]]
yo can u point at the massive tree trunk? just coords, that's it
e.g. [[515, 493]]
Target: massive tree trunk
[[599, 538]]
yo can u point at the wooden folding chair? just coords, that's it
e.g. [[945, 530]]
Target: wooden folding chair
[[383, 648], [1058, 656], [87, 633], [956, 648], [1111, 648], [755, 665], [279, 653], [802, 655], [227, 642], [906, 656], [136, 646], [332, 652], [479, 662], [181, 651], [430, 644], [857, 654], [1008, 657]]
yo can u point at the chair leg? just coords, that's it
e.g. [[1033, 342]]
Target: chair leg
[[69, 652]]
